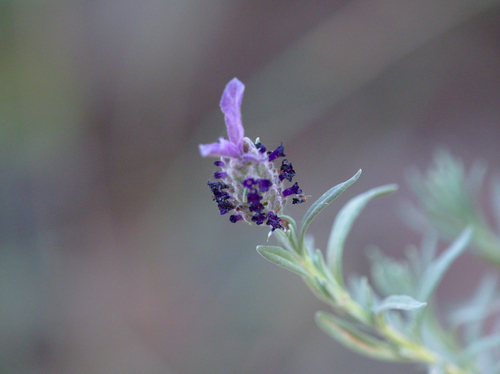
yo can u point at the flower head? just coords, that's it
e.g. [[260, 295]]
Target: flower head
[[251, 187]]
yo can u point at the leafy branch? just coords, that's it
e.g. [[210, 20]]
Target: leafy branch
[[447, 201], [394, 328]]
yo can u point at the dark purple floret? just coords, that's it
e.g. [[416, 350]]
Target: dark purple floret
[[254, 199], [286, 171], [259, 218], [219, 163], [264, 185], [249, 182], [220, 174], [261, 147], [278, 152], [273, 220], [235, 218], [217, 188], [224, 206], [295, 189], [298, 201], [221, 196]]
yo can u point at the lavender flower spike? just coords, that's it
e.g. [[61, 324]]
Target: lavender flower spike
[[251, 187]]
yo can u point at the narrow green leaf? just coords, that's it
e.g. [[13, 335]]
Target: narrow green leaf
[[283, 240], [290, 234], [282, 258], [361, 291], [343, 223], [290, 221], [319, 289], [400, 302], [355, 339], [324, 201], [435, 271]]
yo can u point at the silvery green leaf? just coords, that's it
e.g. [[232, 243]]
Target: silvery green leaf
[[281, 258], [292, 225], [284, 240], [319, 289], [435, 271], [400, 302], [319, 262], [389, 276], [362, 292], [288, 239], [482, 345], [396, 321], [309, 244], [343, 223], [355, 339], [324, 201], [329, 283], [431, 334]]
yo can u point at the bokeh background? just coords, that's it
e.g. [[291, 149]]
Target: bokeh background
[[114, 259]]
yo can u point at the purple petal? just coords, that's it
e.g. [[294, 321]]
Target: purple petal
[[286, 170], [295, 189], [278, 152], [235, 218], [261, 147], [259, 218], [222, 148], [264, 185], [274, 221], [220, 174], [230, 104], [251, 157]]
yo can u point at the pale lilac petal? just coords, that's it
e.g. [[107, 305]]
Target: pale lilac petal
[[252, 157], [222, 148], [230, 104]]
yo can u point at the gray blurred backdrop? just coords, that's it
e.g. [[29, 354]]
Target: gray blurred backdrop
[[113, 257]]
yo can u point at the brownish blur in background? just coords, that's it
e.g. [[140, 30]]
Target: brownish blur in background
[[114, 259]]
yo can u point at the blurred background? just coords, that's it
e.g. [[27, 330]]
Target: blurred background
[[113, 257]]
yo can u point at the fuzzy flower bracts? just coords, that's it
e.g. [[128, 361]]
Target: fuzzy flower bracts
[[249, 185]]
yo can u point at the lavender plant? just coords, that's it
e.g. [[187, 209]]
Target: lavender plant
[[447, 198], [397, 323]]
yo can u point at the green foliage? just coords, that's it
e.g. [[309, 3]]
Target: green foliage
[[354, 338], [343, 223], [281, 257], [401, 302], [435, 270], [447, 201], [324, 201], [399, 323]]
